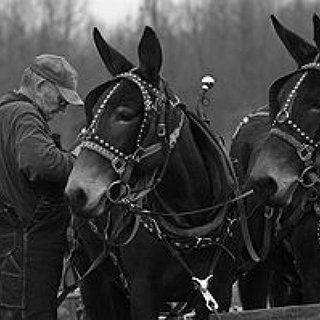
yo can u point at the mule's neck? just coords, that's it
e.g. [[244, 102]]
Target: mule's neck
[[189, 182]]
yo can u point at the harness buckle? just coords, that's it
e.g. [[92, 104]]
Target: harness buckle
[[118, 165], [305, 152], [161, 130], [282, 116], [138, 154], [308, 177]]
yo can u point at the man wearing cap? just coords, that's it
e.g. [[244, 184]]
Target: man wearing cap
[[33, 172]]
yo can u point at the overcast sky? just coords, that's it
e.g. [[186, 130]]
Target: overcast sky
[[112, 12]]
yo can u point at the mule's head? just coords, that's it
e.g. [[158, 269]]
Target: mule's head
[[125, 135], [288, 154]]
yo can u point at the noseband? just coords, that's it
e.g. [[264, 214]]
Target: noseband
[[154, 101], [304, 145]]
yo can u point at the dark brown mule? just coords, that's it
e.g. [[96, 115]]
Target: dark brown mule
[[285, 173], [274, 280], [147, 154]]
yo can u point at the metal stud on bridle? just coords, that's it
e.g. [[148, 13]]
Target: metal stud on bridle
[[305, 146]]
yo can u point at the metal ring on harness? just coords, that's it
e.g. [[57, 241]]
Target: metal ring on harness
[[118, 187], [306, 178], [282, 116], [268, 213]]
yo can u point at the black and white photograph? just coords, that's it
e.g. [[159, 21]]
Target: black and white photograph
[[159, 159]]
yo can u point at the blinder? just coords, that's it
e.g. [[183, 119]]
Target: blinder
[[92, 99], [274, 92]]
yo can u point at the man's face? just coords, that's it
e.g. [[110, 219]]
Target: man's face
[[51, 100]]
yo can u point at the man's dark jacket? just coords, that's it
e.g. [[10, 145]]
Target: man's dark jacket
[[31, 164]]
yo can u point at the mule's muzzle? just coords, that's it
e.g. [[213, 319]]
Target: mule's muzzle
[[77, 199], [265, 187]]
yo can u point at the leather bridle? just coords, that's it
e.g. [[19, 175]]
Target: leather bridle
[[304, 145], [155, 103]]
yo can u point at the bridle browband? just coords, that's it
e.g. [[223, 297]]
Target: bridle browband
[[304, 145], [154, 101]]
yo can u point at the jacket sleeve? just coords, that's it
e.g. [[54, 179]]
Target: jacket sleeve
[[38, 156]]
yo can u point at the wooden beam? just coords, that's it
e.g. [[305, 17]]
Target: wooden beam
[[304, 312]]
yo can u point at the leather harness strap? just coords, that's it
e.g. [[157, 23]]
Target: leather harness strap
[[95, 264]]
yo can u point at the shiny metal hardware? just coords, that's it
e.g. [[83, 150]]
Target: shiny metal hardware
[[282, 116], [118, 186], [202, 285]]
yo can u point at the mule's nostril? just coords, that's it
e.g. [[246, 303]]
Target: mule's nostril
[[77, 199], [265, 187], [81, 197]]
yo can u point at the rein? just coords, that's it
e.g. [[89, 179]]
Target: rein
[[107, 243], [138, 209]]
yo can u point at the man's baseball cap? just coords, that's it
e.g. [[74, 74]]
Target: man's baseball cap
[[57, 70]]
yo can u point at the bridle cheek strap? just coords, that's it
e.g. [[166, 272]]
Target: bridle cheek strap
[[140, 155], [304, 151]]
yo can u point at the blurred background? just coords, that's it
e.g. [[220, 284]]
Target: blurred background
[[233, 40]]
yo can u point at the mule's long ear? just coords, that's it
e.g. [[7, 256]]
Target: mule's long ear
[[316, 34], [150, 54], [115, 62], [300, 50]]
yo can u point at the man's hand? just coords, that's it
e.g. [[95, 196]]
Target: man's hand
[[76, 147]]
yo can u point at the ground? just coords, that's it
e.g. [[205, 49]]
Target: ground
[[72, 309]]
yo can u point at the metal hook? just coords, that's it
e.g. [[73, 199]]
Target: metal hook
[[124, 191], [203, 285]]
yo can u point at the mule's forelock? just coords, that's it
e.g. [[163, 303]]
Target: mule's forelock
[[300, 50], [150, 55], [114, 61]]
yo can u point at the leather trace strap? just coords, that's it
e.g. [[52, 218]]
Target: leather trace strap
[[95, 264]]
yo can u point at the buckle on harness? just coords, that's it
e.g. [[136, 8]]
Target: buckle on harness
[[161, 130], [282, 116], [305, 152], [118, 165]]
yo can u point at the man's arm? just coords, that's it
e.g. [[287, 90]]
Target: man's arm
[[38, 156]]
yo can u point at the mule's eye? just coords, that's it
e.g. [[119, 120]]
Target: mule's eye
[[125, 114], [315, 111]]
